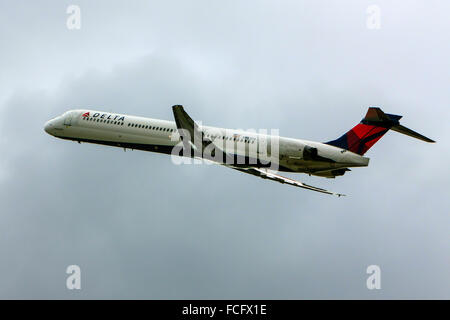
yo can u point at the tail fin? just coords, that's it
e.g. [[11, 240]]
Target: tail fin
[[374, 125]]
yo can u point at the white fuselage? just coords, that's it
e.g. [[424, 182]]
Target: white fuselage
[[161, 136]]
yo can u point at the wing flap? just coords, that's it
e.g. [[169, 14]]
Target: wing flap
[[267, 174]]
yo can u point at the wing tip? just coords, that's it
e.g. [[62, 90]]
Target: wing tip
[[177, 106]]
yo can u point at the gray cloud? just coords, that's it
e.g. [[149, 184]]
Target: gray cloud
[[141, 227]]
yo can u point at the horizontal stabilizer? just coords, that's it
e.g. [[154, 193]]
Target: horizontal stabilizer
[[371, 128], [411, 133]]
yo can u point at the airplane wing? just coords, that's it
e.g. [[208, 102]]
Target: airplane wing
[[184, 122], [267, 174]]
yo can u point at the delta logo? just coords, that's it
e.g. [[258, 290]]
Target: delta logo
[[104, 116]]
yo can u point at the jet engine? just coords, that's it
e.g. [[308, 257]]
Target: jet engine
[[331, 173], [310, 153]]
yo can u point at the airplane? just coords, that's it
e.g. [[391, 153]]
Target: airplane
[[258, 154]]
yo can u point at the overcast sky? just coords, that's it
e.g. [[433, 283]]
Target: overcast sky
[[142, 227]]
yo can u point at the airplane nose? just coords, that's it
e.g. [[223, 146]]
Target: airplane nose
[[48, 127]]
